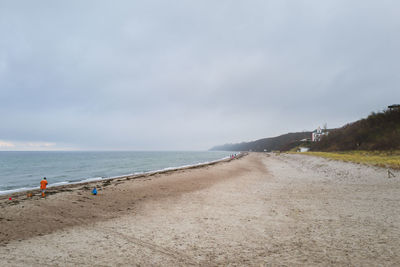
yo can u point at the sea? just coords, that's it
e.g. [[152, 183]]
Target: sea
[[23, 170]]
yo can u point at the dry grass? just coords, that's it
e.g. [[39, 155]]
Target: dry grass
[[389, 159]]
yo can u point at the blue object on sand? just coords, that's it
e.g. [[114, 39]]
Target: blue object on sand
[[94, 191]]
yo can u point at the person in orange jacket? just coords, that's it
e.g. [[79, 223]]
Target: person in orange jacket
[[43, 185]]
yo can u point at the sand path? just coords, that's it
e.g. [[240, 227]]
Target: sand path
[[258, 210]]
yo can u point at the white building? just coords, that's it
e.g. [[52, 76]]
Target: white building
[[317, 134], [303, 149]]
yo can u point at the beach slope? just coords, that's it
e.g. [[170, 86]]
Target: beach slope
[[258, 210]]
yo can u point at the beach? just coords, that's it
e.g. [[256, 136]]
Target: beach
[[258, 210]]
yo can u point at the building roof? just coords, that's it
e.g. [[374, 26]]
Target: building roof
[[394, 106]]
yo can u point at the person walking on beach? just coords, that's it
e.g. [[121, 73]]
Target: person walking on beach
[[43, 185]]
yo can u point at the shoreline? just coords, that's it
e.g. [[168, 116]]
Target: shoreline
[[264, 209], [72, 205], [88, 181]]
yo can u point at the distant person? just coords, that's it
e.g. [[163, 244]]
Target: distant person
[[94, 191], [43, 185]]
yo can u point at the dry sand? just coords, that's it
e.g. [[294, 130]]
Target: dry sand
[[262, 209]]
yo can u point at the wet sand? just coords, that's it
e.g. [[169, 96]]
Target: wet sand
[[262, 209]]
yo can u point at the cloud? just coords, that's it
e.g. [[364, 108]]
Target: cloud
[[28, 146], [36, 144], [190, 75], [4, 144]]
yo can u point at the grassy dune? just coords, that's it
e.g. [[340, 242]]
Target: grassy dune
[[389, 159]]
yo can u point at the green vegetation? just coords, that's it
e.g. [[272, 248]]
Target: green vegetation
[[389, 159]]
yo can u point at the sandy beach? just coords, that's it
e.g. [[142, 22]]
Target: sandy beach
[[259, 210]]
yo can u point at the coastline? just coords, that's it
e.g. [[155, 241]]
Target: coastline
[[263, 209], [64, 201], [51, 189]]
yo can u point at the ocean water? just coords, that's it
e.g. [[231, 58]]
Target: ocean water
[[23, 170]]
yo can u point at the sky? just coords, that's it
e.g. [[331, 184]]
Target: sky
[[188, 75]]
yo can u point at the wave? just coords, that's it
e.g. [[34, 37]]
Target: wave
[[93, 179]]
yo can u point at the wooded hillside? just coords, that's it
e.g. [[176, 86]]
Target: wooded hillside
[[380, 131], [282, 142]]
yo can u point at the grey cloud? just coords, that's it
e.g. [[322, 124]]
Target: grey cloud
[[189, 75]]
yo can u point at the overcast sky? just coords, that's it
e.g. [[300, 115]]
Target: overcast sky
[[188, 75]]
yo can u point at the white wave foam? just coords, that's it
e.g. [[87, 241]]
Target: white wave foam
[[86, 180], [90, 180], [11, 191]]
